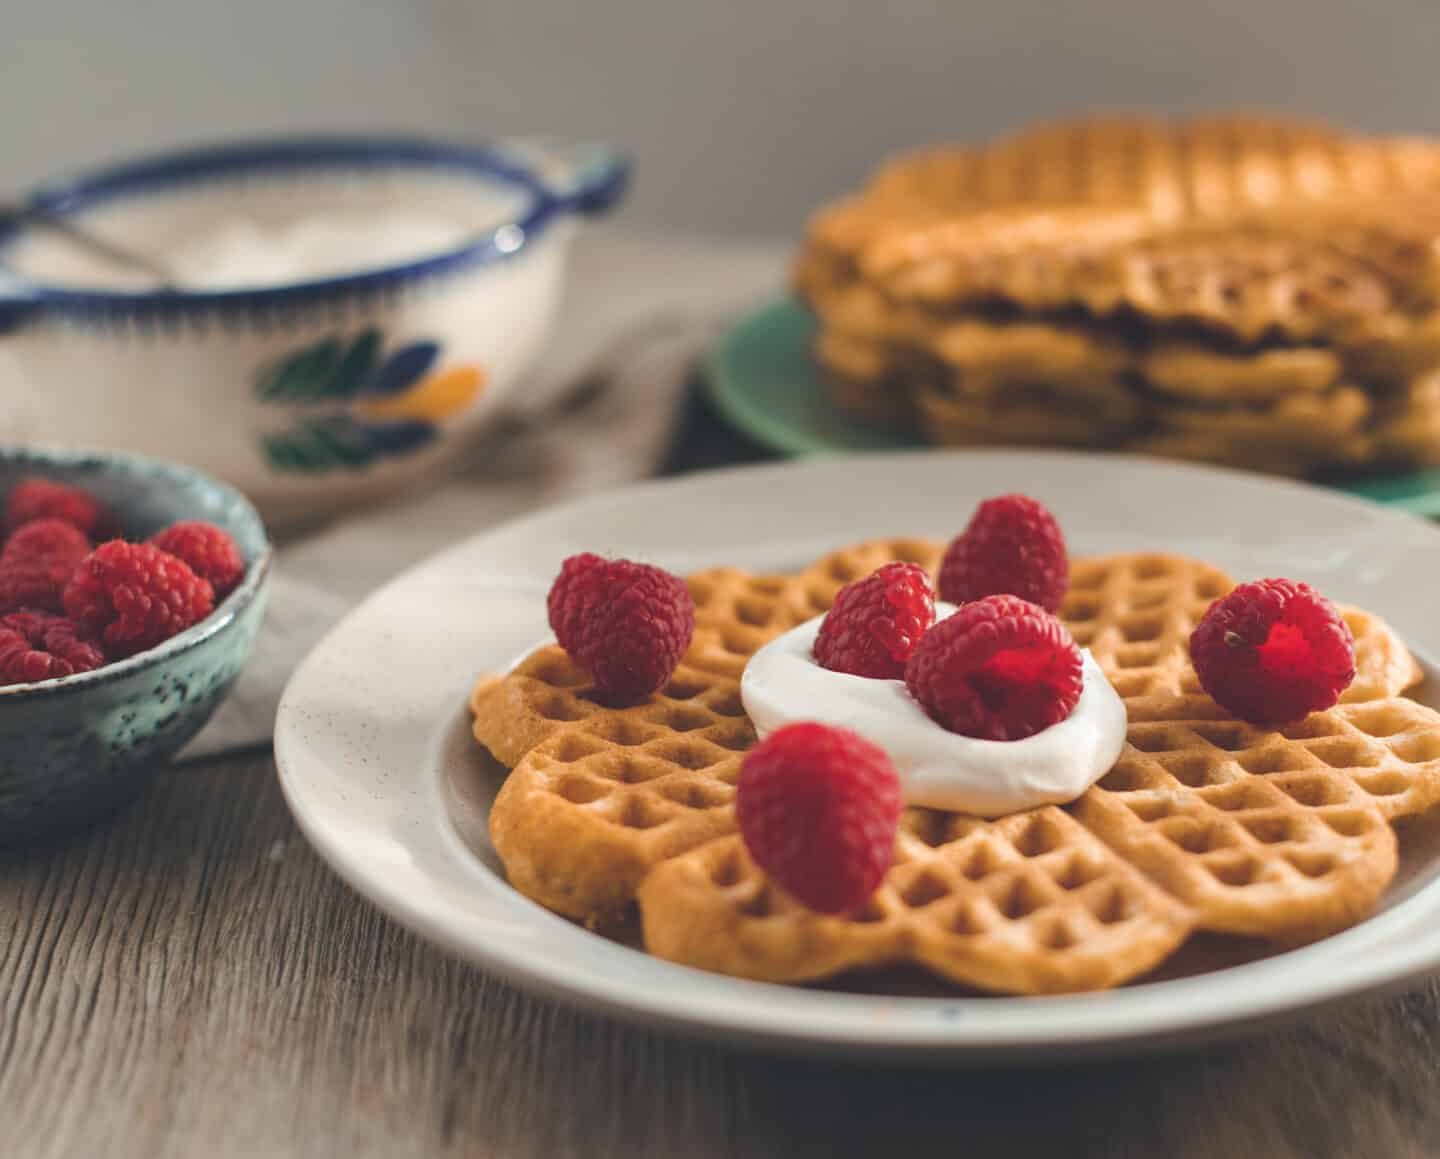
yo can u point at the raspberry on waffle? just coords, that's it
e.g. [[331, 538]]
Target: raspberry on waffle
[[1204, 823]]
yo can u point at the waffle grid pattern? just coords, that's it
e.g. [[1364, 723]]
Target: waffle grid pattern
[[1255, 292], [1204, 823]]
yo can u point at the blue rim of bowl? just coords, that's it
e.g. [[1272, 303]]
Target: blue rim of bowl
[[168, 171], [257, 571]]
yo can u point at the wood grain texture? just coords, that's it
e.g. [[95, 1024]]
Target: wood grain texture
[[188, 979]]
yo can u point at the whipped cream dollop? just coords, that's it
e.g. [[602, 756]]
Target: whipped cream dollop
[[940, 769]]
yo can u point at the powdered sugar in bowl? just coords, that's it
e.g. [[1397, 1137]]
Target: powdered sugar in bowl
[[337, 314]]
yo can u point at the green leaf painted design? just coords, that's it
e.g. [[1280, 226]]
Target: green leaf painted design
[[281, 454], [357, 367], [329, 370], [302, 376], [338, 442], [325, 376], [342, 442]]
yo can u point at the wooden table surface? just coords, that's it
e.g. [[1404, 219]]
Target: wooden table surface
[[188, 979]]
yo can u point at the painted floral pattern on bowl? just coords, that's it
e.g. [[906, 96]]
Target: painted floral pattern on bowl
[[354, 403]]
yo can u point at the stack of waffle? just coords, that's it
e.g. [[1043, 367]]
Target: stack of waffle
[[1254, 292]]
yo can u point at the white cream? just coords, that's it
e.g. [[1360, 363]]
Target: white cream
[[245, 235], [782, 684], [241, 253]]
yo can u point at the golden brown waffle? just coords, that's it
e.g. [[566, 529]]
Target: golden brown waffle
[[1029, 904], [1028, 382], [1407, 429], [1230, 828], [1135, 614], [1203, 167], [1172, 170], [1284, 834], [1275, 834], [597, 796], [1288, 409], [1330, 273], [1193, 373], [1327, 427], [1224, 265], [1384, 667], [875, 402], [1028, 415]]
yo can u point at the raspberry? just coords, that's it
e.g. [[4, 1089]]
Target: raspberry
[[35, 498], [132, 596], [37, 563], [626, 623], [819, 808], [1000, 668], [35, 647], [209, 551], [1012, 546], [1273, 652], [875, 623]]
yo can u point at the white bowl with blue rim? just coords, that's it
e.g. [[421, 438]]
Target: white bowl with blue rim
[[336, 314]]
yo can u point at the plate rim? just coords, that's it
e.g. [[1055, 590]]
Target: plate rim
[[1179, 1026]]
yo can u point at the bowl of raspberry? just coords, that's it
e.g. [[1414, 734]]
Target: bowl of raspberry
[[131, 591]]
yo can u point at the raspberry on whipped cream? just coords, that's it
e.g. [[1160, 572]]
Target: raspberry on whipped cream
[[939, 769]]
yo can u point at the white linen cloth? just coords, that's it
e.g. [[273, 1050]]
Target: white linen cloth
[[638, 311]]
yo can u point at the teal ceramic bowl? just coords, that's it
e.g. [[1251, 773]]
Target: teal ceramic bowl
[[73, 749]]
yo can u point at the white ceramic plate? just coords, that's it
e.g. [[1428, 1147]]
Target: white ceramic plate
[[377, 764]]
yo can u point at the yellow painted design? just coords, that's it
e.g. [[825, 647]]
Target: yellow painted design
[[434, 398]]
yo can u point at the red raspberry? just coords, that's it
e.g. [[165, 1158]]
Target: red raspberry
[[35, 647], [875, 623], [209, 551], [626, 623], [999, 669], [1273, 652], [35, 498], [37, 563], [134, 596], [1012, 546], [819, 808]]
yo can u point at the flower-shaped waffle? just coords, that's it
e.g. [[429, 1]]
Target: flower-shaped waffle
[[1204, 823]]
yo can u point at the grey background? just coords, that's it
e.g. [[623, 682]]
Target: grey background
[[741, 115]]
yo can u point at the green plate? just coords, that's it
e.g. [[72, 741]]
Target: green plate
[[761, 378]]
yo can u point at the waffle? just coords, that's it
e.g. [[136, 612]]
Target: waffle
[[1031, 904], [1204, 168], [1407, 427], [1276, 834], [1250, 291], [1287, 410], [1191, 373], [1325, 273], [1204, 823], [1135, 614], [1279, 835], [598, 796]]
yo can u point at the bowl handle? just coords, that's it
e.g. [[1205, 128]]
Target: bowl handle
[[17, 304], [585, 179], [17, 300]]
